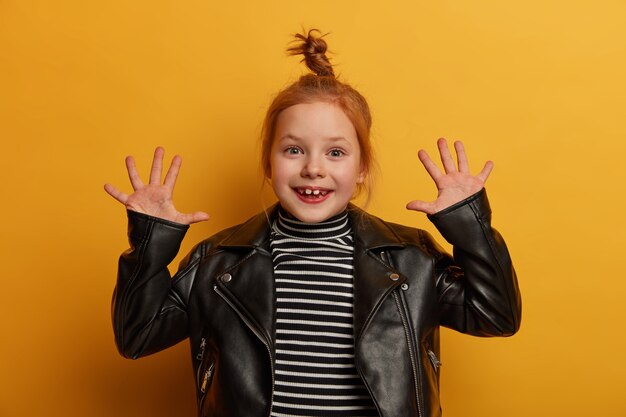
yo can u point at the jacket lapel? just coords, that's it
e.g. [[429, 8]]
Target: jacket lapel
[[250, 288], [374, 279]]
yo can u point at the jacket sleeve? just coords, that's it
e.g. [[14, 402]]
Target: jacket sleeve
[[148, 312], [478, 290]]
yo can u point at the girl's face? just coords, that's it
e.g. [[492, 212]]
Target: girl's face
[[315, 161]]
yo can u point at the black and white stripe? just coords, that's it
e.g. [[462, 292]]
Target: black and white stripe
[[315, 374]]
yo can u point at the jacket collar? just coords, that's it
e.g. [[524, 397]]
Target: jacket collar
[[370, 231]]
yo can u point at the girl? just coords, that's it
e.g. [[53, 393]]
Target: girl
[[315, 308]]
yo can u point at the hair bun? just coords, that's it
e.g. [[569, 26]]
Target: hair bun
[[313, 47]]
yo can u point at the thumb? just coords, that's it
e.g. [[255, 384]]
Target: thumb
[[199, 216], [419, 205]]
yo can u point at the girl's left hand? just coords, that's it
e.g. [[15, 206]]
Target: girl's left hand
[[456, 184]]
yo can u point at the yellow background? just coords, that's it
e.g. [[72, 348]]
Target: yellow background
[[537, 86]]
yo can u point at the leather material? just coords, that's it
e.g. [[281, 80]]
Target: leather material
[[405, 287]]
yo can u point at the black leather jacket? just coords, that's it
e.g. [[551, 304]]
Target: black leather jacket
[[405, 287]]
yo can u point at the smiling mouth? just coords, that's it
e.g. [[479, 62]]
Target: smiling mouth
[[312, 193]]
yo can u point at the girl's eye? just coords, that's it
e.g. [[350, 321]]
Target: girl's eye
[[292, 150], [336, 153]]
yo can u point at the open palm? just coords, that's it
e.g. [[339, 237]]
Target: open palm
[[455, 184], [154, 198]]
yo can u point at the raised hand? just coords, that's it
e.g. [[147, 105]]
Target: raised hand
[[453, 185], [154, 198]]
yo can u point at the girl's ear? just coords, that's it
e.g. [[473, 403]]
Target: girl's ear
[[362, 176], [267, 173]]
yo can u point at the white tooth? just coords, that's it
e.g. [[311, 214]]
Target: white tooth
[[307, 191], [323, 193], [316, 192]]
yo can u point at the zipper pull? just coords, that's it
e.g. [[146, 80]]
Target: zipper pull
[[204, 382], [434, 359], [207, 375]]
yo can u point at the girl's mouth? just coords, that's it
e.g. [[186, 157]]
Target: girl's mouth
[[312, 195]]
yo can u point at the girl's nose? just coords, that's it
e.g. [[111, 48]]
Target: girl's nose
[[313, 168]]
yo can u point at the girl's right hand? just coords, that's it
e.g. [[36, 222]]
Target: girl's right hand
[[154, 198]]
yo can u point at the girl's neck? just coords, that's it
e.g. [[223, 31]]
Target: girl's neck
[[333, 227]]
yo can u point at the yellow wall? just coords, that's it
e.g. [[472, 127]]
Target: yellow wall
[[538, 86]]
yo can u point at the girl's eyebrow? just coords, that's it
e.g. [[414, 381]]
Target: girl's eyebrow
[[338, 139], [289, 136], [299, 139]]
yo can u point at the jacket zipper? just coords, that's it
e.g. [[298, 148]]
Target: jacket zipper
[[412, 353], [200, 355], [257, 333], [199, 358], [205, 382], [208, 373]]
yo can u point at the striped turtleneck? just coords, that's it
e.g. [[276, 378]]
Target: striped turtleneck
[[315, 373]]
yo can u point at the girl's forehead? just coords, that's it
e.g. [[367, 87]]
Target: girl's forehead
[[317, 118]]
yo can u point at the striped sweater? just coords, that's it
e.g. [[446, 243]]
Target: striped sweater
[[315, 373]]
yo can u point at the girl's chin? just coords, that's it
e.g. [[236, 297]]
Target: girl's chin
[[312, 213]]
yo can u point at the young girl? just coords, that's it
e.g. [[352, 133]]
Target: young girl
[[314, 307]]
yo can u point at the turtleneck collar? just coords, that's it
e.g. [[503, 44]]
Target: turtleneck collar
[[332, 228]]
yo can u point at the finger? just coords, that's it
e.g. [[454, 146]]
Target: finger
[[172, 172], [422, 206], [133, 175], [461, 157], [198, 216], [157, 166], [432, 169], [446, 156], [484, 173], [115, 193]]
